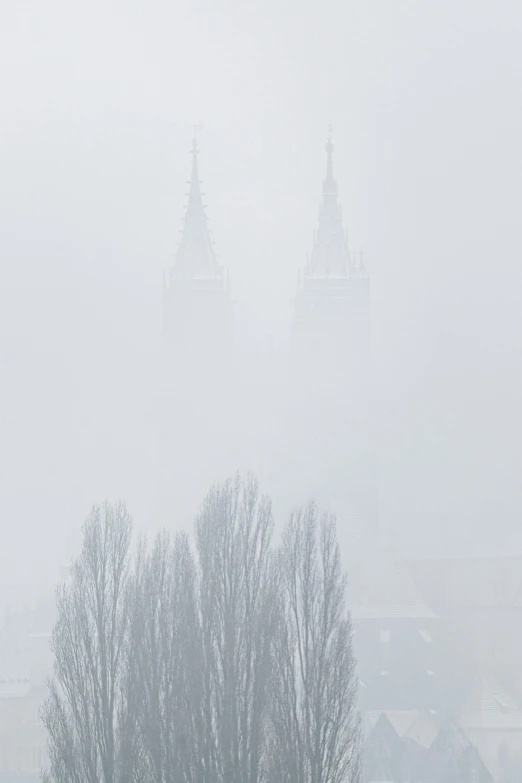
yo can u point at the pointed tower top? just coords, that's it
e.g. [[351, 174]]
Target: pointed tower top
[[330, 257], [329, 185], [195, 130], [195, 258]]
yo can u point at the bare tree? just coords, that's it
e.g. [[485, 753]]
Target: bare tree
[[170, 657], [238, 610], [314, 733], [230, 667], [91, 710]]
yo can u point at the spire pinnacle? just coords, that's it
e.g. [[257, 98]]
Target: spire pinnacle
[[330, 257], [195, 130], [329, 184], [195, 258]]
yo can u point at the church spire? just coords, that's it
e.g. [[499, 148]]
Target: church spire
[[195, 258], [329, 184], [330, 256]]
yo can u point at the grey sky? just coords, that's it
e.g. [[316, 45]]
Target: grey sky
[[97, 104]]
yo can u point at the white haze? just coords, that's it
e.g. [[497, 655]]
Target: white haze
[[97, 103]]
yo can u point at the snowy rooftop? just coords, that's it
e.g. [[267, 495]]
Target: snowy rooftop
[[490, 706], [381, 587]]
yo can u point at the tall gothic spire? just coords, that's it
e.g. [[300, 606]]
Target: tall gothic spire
[[330, 256], [195, 258]]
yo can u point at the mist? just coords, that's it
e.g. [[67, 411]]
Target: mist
[[96, 124], [408, 117]]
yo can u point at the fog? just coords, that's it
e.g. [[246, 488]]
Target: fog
[[98, 103]]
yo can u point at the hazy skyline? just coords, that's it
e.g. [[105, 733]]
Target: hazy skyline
[[95, 128]]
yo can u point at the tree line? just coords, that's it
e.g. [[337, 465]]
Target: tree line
[[216, 658]]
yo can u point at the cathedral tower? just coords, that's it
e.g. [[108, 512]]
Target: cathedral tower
[[196, 306], [331, 351], [332, 307], [198, 380]]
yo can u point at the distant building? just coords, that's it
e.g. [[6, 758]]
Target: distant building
[[480, 599], [197, 445], [439, 640], [332, 308], [398, 640], [25, 664], [332, 421], [449, 758], [196, 300], [23, 740]]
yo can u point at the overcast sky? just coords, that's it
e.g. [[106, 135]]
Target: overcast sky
[[97, 101]]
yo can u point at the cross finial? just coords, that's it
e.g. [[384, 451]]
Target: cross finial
[[329, 146], [195, 129]]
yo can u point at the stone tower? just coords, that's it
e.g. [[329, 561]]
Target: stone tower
[[331, 394], [196, 437], [332, 309], [196, 303]]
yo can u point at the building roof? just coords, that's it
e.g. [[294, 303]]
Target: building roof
[[403, 721], [490, 705], [381, 587], [451, 758]]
